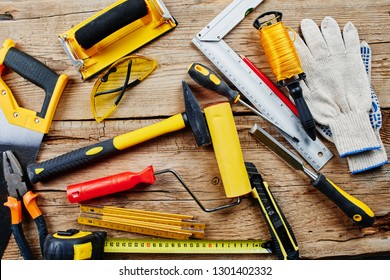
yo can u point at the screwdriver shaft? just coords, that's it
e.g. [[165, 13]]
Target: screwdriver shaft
[[268, 119]]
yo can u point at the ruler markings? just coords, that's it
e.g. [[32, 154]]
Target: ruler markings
[[187, 246], [252, 87]]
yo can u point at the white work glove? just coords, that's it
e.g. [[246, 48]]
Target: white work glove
[[337, 88], [371, 159]]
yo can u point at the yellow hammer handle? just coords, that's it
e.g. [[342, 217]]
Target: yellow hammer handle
[[74, 159], [355, 209]]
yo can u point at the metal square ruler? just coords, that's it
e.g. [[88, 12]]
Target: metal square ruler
[[210, 41]]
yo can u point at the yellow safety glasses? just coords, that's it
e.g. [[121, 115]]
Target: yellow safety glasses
[[109, 89]]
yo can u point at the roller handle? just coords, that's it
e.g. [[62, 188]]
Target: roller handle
[[283, 239], [205, 77], [355, 209], [108, 185], [109, 22], [35, 72]]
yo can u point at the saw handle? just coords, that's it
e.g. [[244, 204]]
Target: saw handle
[[32, 70], [108, 185], [355, 209]]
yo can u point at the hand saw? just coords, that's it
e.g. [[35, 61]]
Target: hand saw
[[22, 130], [210, 41]]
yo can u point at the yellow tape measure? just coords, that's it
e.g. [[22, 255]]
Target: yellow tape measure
[[165, 225], [141, 229], [167, 246]]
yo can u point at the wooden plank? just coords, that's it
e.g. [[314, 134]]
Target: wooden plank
[[320, 227]]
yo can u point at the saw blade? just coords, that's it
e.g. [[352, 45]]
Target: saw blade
[[24, 143]]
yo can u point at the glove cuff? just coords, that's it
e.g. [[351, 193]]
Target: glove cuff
[[368, 160], [353, 134]]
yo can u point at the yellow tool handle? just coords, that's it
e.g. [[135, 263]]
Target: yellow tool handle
[[40, 75], [72, 160], [227, 149], [135, 137], [355, 209], [283, 239]]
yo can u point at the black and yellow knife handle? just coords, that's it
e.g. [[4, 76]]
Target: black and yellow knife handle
[[80, 157], [207, 78], [283, 239], [355, 209]]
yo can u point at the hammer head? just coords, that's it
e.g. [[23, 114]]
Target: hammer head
[[194, 118]]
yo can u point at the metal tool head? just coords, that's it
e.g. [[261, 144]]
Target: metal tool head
[[194, 118], [13, 174], [279, 149]]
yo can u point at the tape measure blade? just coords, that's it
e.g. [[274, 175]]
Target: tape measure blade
[[165, 246], [262, 97]]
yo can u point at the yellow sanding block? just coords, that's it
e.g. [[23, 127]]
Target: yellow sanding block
[[115, 32], [227, 150]]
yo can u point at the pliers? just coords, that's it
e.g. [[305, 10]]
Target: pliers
[[18, 191]]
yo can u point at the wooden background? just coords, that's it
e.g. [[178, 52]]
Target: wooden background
[[322, 231]]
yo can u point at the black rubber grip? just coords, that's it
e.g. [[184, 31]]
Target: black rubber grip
[[207, 78], [58, 248], [69, 161], [353, 208], [109, 22], [21, 241], [42, 230], [35, 72]]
